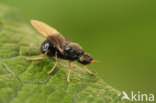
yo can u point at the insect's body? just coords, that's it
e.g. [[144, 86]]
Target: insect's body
[[71, 50], [59, 46]]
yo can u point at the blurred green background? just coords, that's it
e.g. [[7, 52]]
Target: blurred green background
[[120, 34]]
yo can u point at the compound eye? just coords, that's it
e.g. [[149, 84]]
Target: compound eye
[[90, 59]]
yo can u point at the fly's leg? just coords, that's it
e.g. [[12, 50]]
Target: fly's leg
[[69, 72], [89, 70], [73, 64], [39, 57], [54, 65]]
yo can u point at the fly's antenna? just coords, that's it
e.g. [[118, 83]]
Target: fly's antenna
[[96, 61]]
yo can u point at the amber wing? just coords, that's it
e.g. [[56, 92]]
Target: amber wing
[[50, 33]]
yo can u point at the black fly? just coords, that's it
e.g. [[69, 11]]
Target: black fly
[[59, 46]]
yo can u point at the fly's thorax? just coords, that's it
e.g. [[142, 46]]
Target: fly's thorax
[[73, 50]]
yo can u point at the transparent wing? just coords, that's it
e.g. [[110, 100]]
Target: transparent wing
[[50, 33]]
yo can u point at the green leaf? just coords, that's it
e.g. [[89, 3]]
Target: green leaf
[[23, 81]]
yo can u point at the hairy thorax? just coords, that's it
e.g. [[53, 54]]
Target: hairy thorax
[[73, 50]]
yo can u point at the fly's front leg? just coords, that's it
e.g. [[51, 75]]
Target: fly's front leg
[[54, 65], [89, 70], [45, 54]]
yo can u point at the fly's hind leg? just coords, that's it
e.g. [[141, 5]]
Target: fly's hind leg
[[54, 65], [39, 57], [69, 72]]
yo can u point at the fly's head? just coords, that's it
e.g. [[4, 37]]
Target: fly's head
[[85, 59]]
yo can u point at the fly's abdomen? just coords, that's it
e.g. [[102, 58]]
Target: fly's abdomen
[[45, 46]]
